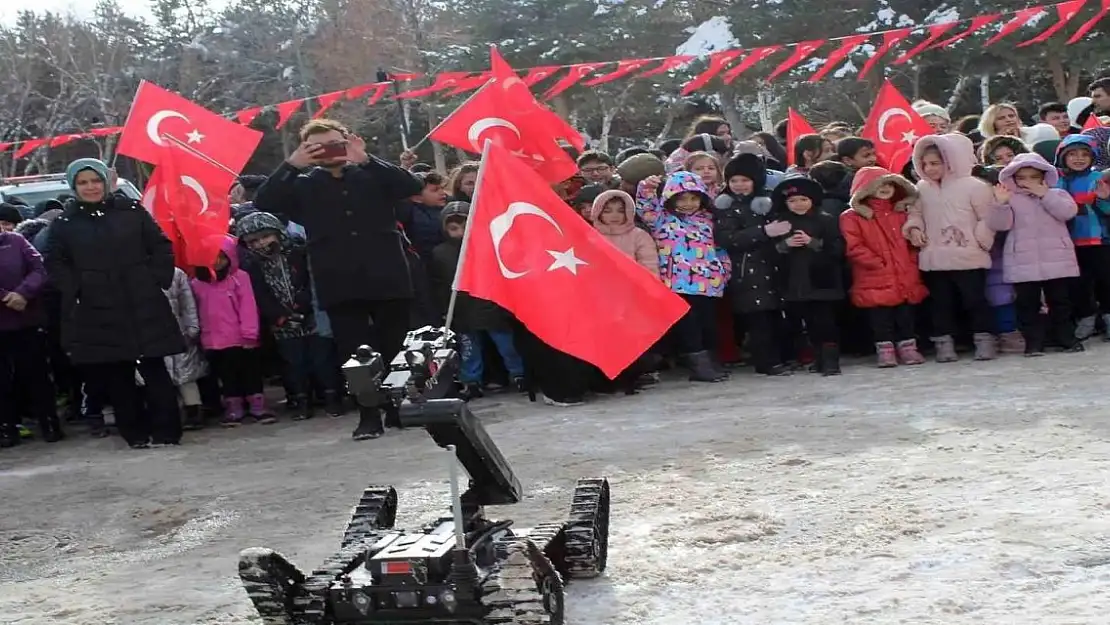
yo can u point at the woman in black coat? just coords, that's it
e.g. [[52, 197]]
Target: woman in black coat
[[111, 262]]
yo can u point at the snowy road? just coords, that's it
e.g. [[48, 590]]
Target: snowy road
[[966, 493]]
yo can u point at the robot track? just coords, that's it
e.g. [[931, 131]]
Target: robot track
[[376, 510], [525, 590], [587, 531]]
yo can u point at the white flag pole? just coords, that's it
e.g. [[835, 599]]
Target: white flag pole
[[466, 234]]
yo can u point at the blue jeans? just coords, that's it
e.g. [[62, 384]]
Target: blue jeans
[[472, 365], [1005, 318]]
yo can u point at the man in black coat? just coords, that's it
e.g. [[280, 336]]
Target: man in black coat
[[346, 200]]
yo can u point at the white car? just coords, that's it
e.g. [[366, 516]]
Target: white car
[[35, 189]]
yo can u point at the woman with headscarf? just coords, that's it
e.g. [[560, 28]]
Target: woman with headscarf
[[111, 264]]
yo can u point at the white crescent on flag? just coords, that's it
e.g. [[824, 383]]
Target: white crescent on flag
[[886, 117], [192, 183], [474, 134], [153, 125], [499, 227]]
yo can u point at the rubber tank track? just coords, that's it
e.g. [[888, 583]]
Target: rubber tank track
[[587, 530], [515, 593], [272, 583], [375, 510], [312, 602]]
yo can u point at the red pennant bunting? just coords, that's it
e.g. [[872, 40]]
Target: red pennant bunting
[[976, 24], [891, 38], [1066, 11], [446, 80], [717, 62], [796, 126], [325, 101], [106, 132], [403, 77], [355, 93], [1089, 24], [802, 51], [286, 110], [575, 73], [246, 116], [623, 69], [750, 61], [538, 74], [847, 45], [64, 139], [470, 83], [379, 92], [1020, 19], [29, 146], [668, 64], [4, 146], [936, 31]]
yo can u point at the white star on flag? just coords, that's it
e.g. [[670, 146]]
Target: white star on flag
[[195, 136], [565, 260], [909, 137]]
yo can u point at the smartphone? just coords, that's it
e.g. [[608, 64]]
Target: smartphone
[[334, 149]]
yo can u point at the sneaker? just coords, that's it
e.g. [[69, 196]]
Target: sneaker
[[569, 403]]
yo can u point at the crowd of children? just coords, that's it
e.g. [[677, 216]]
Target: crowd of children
[[993, 232]]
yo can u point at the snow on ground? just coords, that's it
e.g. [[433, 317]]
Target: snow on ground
[[946, 494]]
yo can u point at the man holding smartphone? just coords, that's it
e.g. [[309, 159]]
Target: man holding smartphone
[[345, 200]]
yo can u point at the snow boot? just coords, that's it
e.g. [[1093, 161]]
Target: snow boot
[[946, 349], [830, 359], [1106, 321], [369, 424], [886, 355], [908, 353], [9, 435], [333, 404], [193, 419], [233, 411], [986, 348], [307, 409], [1011, 343], [701, 367], [51, 428], [1085, 328], [257, 407]]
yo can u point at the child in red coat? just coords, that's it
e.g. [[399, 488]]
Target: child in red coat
[[885, 279]]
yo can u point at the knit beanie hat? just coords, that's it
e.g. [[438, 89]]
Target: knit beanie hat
[[749, 166], [455, 209], [10, 213], [797, 185], [81, 165], [253, 223], [636, 168], [1076, 108], [924, 108], [589, 193]]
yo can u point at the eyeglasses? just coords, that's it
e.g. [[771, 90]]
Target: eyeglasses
[[598, 169]]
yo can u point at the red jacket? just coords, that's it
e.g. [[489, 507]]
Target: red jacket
[[884, 264]]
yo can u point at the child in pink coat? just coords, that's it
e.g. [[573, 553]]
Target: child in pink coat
[[613, 214], [229, 333]]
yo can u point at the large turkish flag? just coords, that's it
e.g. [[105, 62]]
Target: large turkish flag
[[893, 126]]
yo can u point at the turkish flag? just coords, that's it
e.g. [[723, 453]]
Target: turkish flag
[[195, 194], [156, 112], [893, 126], [156, 204], [796, 126], [505, 112], [529, 252]]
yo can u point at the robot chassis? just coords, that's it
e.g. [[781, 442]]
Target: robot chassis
[[462, 569]]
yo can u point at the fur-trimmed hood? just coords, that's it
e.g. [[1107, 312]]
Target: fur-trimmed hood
[[869, 179], [629, 212]]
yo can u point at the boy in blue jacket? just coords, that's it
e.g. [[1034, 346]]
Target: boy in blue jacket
[[1090, 230]]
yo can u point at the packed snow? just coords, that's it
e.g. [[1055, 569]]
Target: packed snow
[[712, 35], [944, 494]]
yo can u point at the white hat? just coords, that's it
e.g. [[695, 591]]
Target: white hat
[[1077, 106], [1032, 135], [924, 108]]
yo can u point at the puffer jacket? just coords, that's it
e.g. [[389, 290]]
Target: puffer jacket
[[689, 261], [1038, 246], [953, 212], [188, 366], [1091, 225], [626, 237], [228, 312]]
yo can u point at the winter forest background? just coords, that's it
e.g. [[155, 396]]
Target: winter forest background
[[64, 75]]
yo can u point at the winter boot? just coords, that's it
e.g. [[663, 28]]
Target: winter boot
[[193, 419], [830, 359], [519, 385], [1011, 343], [333, 404], [233, 411], [256, 405], [306, 409], [986, 348], [9, 435], [722, 372], [1106, 321], [1075, 348], [51, 428], [908, 354], [471, 390], [775, 370], [701, 367], [1085, 328], [946, 349], [369, 424], [887, 356]]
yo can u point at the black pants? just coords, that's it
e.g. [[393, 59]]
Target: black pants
[[308, 363], [1091, 292], [25, 372], [819, 319], [160, 421], [558, 375], [239, 370], [696, 331], [380, 324], [892, 324], [1057, 294], [969, 288], [765, 331]]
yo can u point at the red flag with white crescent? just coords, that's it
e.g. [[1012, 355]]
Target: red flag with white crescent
[[195, 193], [894, 127]]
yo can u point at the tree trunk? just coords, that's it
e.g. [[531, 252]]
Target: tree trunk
[[985, 91], [957, 93], [668, 123], [438, 153]]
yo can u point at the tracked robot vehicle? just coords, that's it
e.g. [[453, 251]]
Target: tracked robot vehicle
[[461, 569]]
